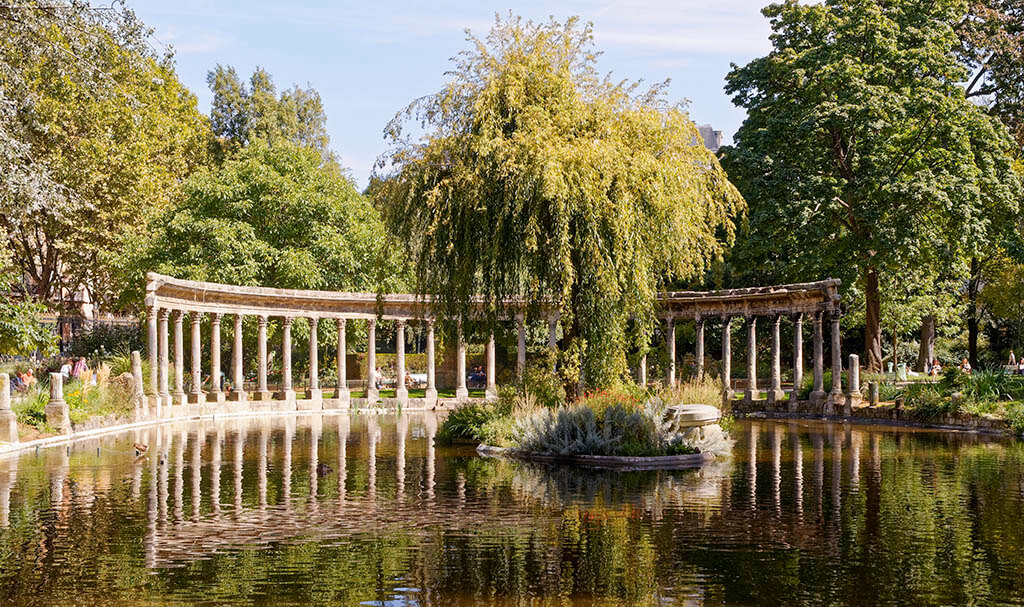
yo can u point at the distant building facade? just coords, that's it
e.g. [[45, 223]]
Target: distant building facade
[[712, 138]]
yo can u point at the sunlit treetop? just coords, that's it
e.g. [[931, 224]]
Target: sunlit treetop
[[530, 176]]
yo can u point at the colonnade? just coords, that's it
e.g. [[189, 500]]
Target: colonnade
[[161, 394], [774, 390]]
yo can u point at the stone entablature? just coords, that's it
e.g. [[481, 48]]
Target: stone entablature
[[805, 298]]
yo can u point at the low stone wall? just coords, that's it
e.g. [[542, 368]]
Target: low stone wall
[[884, 413]]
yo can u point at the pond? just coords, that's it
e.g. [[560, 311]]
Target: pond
[[364, 510]]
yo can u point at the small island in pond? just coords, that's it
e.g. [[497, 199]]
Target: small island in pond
[[612, 429]]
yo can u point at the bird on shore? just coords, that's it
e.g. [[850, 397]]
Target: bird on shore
[[140, 449]]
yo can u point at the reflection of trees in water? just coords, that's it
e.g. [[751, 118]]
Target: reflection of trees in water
[[813, 514]]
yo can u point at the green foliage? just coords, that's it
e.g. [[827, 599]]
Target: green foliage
[[541, 380], [31, 408], [993, 47], [1015, 417], [466, 423], [97, 133], [105, 340], [273, 215], [927, 402], [87, 401], [21, 331], [241, 113], [698, 391], [538, 180], [600, 428], [859, 134]]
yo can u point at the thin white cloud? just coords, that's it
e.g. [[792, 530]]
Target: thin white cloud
[[195, 40]]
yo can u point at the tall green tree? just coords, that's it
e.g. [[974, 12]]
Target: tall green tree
[[538, 180], [271, 215], [21, 329], [992, 37], [861, 155], [96, 133], [243, 111]]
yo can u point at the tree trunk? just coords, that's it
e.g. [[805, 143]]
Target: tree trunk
[[873, 330], [927, 349], [973, 286]]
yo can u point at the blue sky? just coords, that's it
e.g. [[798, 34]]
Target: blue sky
[[368, 60]]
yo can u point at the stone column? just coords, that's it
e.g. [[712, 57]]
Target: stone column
[[641, 372], [752, 392], [8, 419], [372, 393], [670, 343], [818, 392], [553, 332], [727, 391], [521, 346], [262, 393], [492, 389], [342, 394], [775, 394], [179, 358], [853, 396], [237, 371], [287, 394], [461, 393], [57, 414], [165, 394], [837, 360], [314, 393], [798, 358], [699, 327], [216, 382], [431, 393], [196, 396], [401, 390], [154, 356], [139, 400]]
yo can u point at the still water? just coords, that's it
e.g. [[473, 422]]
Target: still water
[[365, 510]]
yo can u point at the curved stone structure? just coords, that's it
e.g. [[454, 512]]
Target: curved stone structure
[[166, 295]]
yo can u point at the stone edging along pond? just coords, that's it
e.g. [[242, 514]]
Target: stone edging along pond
[[615, 462], [882, 414]]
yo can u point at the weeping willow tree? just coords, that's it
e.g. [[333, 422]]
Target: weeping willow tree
[[531, 178]]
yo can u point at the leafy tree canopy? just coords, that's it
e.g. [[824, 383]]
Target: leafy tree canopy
[[861, 155], [95, 134], [992, 35], [539, 180], [272, 215], [242, 112]]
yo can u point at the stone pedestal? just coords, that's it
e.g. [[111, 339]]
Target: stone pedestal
[[57, 414], [776, 396], [853, 395], [8, 419], [873, 394]]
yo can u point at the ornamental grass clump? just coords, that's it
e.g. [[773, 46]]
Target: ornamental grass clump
[[609, 429]]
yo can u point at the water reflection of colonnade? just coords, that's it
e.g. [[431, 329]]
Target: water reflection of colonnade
[[212, 485]]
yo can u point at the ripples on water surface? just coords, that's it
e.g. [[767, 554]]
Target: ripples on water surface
[[365, 510]]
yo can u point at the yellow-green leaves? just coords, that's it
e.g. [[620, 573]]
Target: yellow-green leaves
[[536, 179]]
